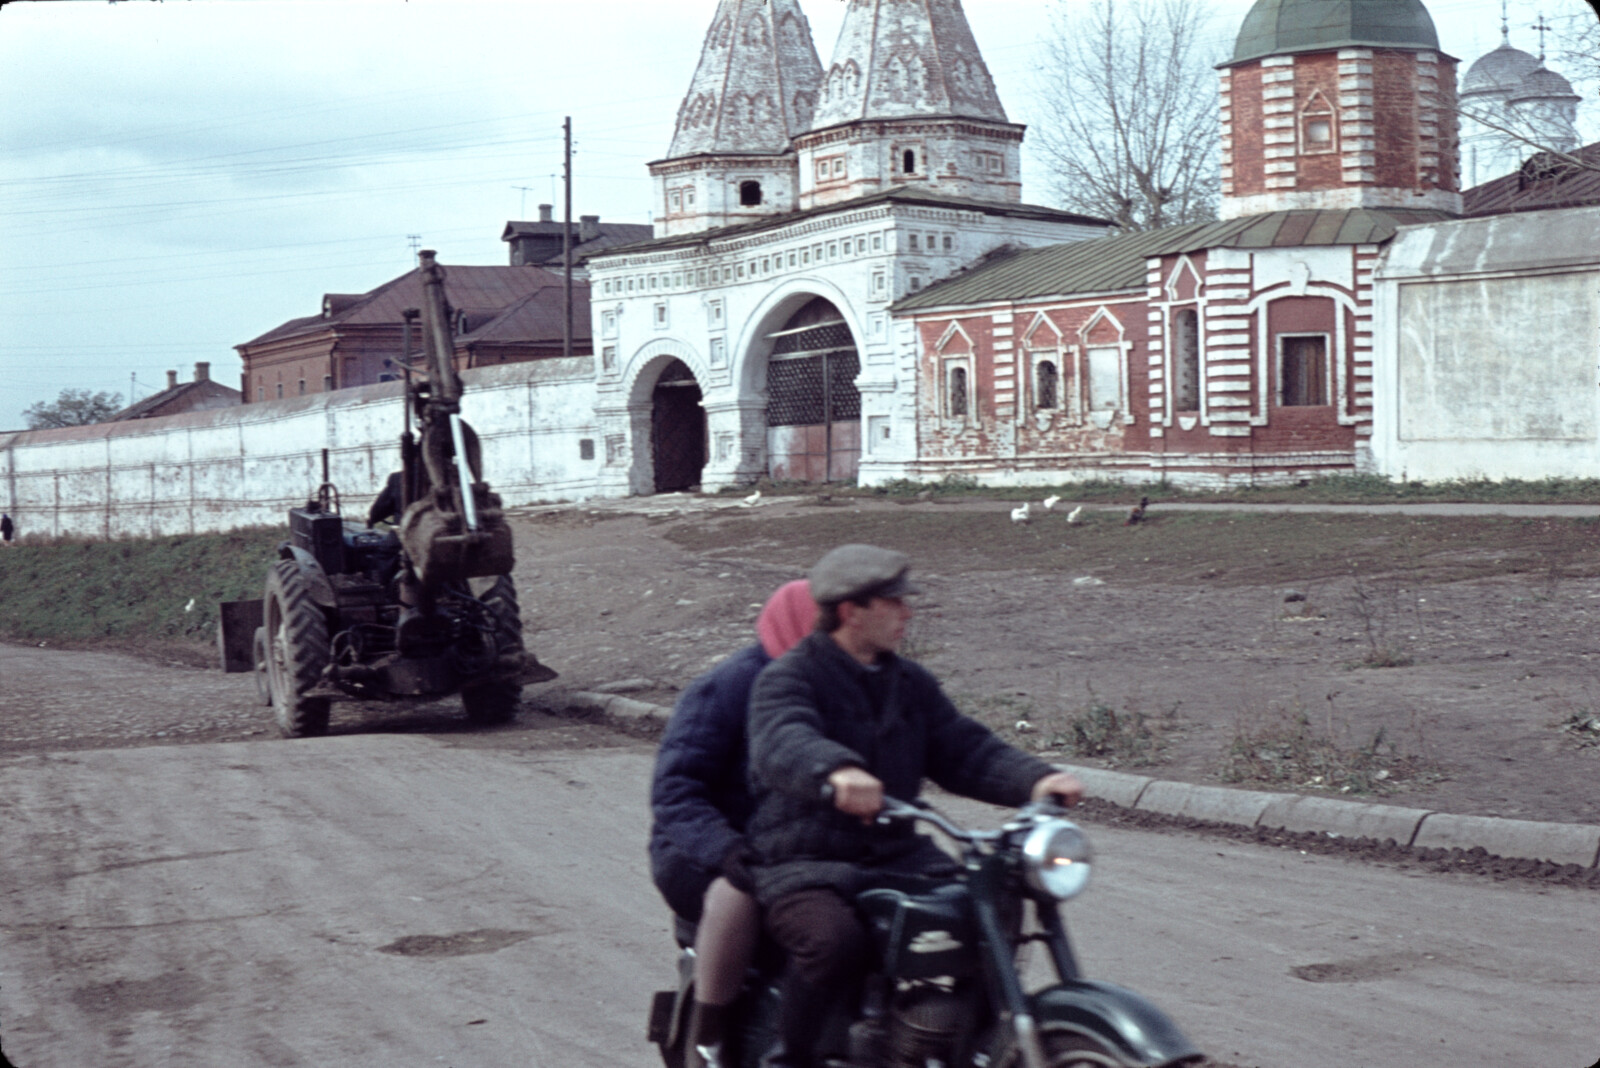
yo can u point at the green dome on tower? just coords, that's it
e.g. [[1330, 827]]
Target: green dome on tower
[[1282, 27]]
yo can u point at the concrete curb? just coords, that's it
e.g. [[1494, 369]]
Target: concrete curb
[[617, 706], [1214, 803], [1563, 843], [1349, 819], [1560, 843]]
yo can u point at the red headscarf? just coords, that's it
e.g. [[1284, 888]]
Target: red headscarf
[[789, 615]]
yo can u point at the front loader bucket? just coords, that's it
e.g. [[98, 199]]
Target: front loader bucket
[[442, 550]]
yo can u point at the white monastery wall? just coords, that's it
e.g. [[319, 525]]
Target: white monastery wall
[[246, 465], [1487, 354]]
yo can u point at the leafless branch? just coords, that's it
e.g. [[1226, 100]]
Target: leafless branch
[[1129, 111]]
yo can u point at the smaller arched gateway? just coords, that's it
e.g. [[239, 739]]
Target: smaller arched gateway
[[677, 429], [813, 407]]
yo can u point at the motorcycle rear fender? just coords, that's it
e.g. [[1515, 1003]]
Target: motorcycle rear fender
[[1131, 1026]]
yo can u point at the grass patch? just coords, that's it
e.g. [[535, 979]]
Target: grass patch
[[161, 591], [1283, 747]]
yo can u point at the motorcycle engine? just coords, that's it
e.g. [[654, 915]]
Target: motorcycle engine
[[923, 1026]]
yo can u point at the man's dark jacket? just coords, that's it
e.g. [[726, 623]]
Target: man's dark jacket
[[817, 709], [699, 797]]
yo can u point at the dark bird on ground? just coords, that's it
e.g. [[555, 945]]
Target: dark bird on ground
[[1137, 512]]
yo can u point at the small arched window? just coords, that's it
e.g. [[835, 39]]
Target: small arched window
[[749, 194], [1047, 384], [908, 161]]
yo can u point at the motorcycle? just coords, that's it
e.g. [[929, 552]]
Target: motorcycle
[[946, 990]]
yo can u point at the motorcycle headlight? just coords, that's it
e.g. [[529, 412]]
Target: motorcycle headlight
[[1056, 858]]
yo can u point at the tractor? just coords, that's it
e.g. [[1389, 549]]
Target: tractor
[[352, 612]]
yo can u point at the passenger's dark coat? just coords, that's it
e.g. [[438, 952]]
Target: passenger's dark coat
[[699, 797], [813, 712]]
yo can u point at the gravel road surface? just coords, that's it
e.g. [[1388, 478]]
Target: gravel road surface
[[376, 899]]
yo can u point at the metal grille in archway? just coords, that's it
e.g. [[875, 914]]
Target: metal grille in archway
[[813, 407]]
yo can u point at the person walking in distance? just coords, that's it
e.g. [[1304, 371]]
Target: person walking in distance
[[8, 529]]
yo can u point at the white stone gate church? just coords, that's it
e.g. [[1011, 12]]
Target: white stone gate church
[[751, 336]]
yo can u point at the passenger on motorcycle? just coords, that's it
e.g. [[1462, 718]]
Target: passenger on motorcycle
[[700, 802], [836, 723]]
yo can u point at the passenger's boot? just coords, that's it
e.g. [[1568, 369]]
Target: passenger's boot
[[704, 1046]]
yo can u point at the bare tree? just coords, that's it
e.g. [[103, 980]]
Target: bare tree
[[74, 407], [1128, 100]]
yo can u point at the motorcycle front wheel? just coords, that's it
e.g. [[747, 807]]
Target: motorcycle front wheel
[[1063, 1049]]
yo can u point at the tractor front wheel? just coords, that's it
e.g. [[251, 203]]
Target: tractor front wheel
[[297, 651]]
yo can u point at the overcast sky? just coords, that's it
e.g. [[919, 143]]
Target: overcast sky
[[181, 177]]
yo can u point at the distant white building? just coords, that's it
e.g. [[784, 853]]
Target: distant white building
[[752, 335], [1512, 105]]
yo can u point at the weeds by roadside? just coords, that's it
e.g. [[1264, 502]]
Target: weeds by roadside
[[1581, 727], [1283, 747], [1096, 729], [1378, 605]]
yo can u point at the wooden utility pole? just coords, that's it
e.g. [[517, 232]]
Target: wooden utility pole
[[566, 244]]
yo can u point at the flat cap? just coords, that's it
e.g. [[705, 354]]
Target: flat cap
[[855, 571]]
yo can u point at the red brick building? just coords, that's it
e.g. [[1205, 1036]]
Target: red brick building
[[1227, 352], [502, 315]]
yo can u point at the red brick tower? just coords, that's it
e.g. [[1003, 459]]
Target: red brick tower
[[1338, 104]]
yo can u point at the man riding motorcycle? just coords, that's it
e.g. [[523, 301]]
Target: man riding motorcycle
[[835, 723]]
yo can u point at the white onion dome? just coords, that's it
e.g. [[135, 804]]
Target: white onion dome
[[1499, 71], [1543, 84]]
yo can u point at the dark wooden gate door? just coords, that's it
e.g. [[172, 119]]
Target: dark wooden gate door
[[677, 429]]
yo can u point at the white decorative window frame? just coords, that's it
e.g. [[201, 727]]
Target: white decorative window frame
[[1265, 351], [1051, 346], [949, 361], [1317, 105], [1329, 376], [1081, 362]]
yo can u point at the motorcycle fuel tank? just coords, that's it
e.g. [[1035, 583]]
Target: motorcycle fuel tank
[[922, 935]]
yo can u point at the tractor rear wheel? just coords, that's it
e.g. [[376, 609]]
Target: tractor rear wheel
[[297, 651], [495, 702]]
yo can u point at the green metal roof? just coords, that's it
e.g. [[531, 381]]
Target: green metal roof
[[1117, 264], [1283, 27]]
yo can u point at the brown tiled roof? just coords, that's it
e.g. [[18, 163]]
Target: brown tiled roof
[[156, 401], [1117, 264], [488, 289], [1545, 181], [538, 317]]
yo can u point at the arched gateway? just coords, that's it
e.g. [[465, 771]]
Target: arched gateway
[[813, 407], [677, 429]]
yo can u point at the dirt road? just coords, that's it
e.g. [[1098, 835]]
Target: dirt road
[[383, 900], [182, 888]]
